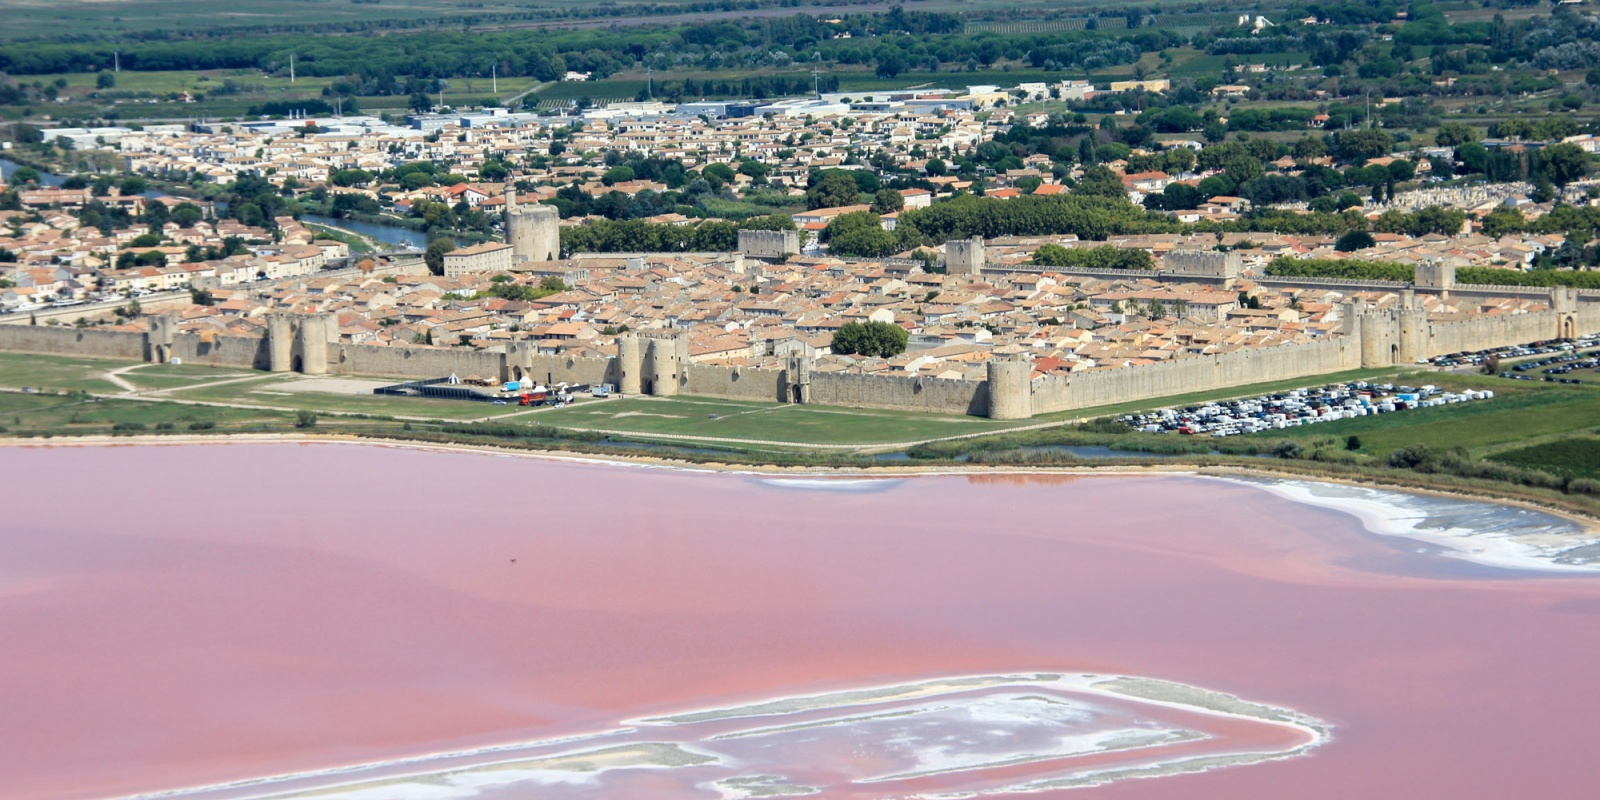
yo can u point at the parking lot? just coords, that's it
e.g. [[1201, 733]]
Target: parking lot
[[1298, 407], [1561, 357]]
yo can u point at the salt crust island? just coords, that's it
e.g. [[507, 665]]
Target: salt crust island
[[1013, 733]]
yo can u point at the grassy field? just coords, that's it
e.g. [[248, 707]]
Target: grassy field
[[1577, 457], [174, 376], [274, 391], [30, 18], [26, 414], [770, 422], [57, 373], [357, 244], [1202, 64], [1520, 413]]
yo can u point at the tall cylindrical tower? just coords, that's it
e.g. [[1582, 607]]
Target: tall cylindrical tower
[[630, 364], [1011, 388], [314, 343], [663, 359], [280, 343]]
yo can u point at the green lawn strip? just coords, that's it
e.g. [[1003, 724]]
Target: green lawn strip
[[58, 373], [172, 376], [78, 416], [271, 391], [165, 382], [1577, 456], [1515, 415], [768, 422]]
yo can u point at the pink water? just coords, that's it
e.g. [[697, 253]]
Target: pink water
[[187, 615]]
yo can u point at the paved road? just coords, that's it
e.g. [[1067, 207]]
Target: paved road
[[88, 309]]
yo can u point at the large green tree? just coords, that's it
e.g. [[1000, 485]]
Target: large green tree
[[1357, 146], [832, 190], [434, 256], [879, 339], [1563, 163], [860, 233]]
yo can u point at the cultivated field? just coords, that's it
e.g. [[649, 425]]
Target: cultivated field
[[36, 18]]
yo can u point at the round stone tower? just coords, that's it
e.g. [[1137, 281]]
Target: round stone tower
[[1011, 388], [1378, 345], [280, 343], [313, 339], [630, 364], [1413, 334], [666, 357]]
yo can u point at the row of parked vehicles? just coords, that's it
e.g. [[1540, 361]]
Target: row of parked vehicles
[[1554, 367], [1563, 356], [1554, 347], [1296, 408]]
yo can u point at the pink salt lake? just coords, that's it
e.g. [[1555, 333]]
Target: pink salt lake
[[193, 616]]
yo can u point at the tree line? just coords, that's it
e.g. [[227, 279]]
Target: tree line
[[1358, 269]]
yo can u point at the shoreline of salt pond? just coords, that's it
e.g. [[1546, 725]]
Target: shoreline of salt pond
[[1384, 517], [1520, 539]]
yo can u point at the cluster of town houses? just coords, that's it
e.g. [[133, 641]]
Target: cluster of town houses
[[737, 310]]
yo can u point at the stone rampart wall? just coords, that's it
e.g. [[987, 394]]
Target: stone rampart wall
[[240, 352], [411, 363], [1349, 284], [945, 395], [735, 383], [570, 369], [1525, 292], [1388, 339], [71, 341], [1482, 334], [1185, 375]]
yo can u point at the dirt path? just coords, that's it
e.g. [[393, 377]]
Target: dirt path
[[115, 376]]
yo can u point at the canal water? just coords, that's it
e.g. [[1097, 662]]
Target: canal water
[[391, 235]]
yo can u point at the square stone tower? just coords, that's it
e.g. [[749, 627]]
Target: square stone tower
[[964, 256]]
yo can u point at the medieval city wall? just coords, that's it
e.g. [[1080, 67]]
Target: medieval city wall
[[572, 370], [1499, 331], [1204, 373], [240, 352], [735, 383], [943, 395], [63, 340], [1379, 338], [410, 363]]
